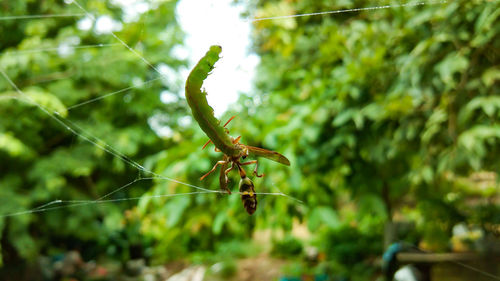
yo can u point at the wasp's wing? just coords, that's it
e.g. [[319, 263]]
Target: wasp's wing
[[271, 155]]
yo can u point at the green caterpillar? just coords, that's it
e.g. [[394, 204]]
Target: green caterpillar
[[233, 150], [202, 112]]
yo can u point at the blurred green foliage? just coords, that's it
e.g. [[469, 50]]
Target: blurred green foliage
[[289, 246], [389, 115], [42, 161], [386, 115]]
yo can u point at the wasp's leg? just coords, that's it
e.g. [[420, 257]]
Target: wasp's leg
[[255, 169], [213, 169], [223, 179], [228, 170]]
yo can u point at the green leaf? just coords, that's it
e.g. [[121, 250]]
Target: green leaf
[[323, 215], [218, 223], [452, 64], [175, 209], [343, 117], [490, 76], [13, 146], [47, 101]]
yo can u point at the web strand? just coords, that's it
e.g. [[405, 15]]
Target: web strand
[[117, 38], [55, 49], [112, 94], [86, 13], [349, 10], [23, 17], [455, 262], [476, 270], [75, 203]]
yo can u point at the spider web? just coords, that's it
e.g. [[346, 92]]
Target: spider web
[[79, 132], [99, 143]]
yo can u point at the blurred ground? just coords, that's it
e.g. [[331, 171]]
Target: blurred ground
[[261, 267]]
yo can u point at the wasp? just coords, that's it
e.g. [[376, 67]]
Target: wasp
[[229, 163]]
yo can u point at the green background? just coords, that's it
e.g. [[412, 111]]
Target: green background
[[389, 117]]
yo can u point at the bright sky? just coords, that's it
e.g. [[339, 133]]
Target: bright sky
[[205, 23], [209, 23]]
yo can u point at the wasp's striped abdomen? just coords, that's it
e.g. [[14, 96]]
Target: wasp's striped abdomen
[[248, 196]]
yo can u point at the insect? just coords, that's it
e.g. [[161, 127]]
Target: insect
[[233, 150]]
